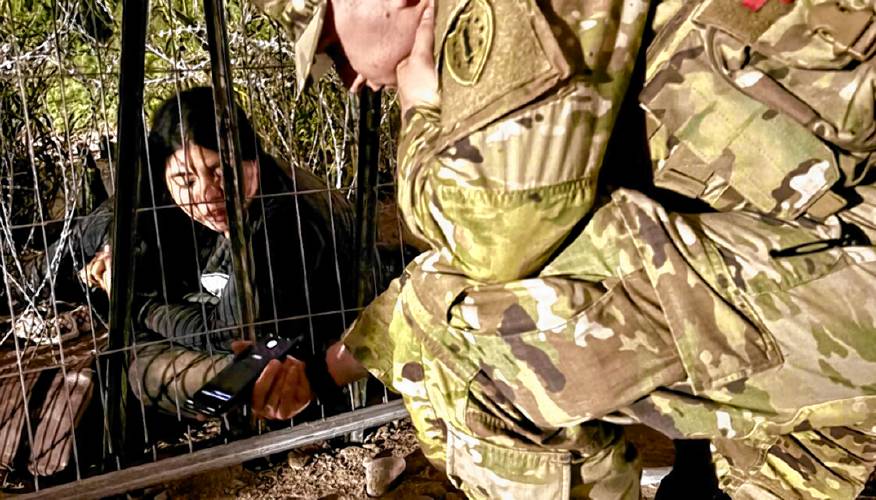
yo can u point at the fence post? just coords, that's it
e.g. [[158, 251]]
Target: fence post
[[366, 215], [135, 17], [366, 187], [229, 151]]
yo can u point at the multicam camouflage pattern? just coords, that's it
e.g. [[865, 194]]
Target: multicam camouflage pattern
[[524, 333], [493, 219], [303, 20], [521, 336], [541, 163], [626, 319], [765, 109]]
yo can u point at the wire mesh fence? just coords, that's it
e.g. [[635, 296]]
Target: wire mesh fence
[[60, 64]]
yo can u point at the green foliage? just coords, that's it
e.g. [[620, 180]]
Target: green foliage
[[59, 67], [59, 78]]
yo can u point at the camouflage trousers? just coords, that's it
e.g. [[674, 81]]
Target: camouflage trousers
[[164, 375], [791, 409], [799, 421], [755, 333], [825, 463], [823, 323]]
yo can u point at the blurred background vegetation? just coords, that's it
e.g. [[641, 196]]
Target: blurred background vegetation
[[59, 67], [59, 70]]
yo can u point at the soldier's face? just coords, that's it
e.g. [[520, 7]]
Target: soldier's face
[[376, 35], [194, 178]]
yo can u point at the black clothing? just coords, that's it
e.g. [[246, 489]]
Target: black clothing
[[85, 237], [302, 246]]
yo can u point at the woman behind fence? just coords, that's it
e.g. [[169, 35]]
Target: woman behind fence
[[301, 243]]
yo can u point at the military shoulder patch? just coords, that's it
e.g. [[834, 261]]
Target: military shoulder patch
[[469, 41]]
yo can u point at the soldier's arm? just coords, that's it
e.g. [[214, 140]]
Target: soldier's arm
[[501, 200], [369, 339], [497, 181]]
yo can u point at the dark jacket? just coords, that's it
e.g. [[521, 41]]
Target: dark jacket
[[302, 246]]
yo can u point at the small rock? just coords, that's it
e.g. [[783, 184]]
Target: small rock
[[380, 474], [297, 459], [351, 452]]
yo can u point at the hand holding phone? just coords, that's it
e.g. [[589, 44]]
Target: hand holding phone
[[233, 386]]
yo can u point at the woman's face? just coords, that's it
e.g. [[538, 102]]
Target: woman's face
[[194, 178]]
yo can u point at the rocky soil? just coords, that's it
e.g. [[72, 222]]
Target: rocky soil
[[337, 470]]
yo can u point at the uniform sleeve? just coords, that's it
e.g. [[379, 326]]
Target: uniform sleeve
[[368, 338], [502, 198], [529, 178]]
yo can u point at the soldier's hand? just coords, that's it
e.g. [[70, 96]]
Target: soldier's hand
[[98, 272], [282, 390], [416, 75]]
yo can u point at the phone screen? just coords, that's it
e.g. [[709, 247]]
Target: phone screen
[[231, 386], [235, 378]]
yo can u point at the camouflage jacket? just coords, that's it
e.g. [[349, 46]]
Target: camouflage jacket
[[764, 105], [542, 316]]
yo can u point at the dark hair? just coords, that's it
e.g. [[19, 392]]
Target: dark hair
[[189, 116]]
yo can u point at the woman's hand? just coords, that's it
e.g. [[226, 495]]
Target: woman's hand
[[98, 272], [282, 390], [416, 75]]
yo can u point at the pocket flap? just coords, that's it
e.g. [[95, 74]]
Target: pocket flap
[[713, 133]]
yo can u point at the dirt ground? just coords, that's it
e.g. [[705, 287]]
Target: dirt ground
[[335, 470], [321, 471]]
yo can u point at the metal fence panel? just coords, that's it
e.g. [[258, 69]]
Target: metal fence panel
[[67, 348]]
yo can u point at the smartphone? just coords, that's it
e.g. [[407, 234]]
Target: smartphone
[[232, 386]]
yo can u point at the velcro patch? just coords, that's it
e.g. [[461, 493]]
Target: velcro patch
[[734, 18]]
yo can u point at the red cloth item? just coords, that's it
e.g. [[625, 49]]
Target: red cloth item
[[756, 5]]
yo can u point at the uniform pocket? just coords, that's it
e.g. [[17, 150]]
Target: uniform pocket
[[711, 141], [719, 339], [485, 470], [541, 343]]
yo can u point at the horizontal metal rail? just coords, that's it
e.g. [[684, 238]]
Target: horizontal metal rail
[[217, 457]]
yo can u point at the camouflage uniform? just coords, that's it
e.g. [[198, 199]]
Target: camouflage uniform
[[543, 315]]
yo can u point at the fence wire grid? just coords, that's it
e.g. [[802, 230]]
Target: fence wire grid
[[59, 99]]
